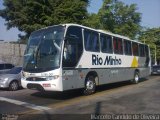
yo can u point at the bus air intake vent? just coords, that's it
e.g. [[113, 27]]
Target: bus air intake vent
[[35, 79]]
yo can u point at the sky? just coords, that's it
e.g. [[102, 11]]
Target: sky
[[149, 9]]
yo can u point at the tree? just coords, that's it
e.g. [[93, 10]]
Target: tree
[[151, 36], [118, 18], [30, 15], [92, 21]]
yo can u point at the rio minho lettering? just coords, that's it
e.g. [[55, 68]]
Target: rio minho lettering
[[109, 60]]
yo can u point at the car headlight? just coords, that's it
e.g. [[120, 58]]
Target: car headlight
[[5, 79]]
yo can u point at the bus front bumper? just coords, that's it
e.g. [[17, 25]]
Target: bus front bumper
[[52, 85]]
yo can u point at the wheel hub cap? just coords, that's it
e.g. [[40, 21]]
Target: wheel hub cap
[[89, 85]]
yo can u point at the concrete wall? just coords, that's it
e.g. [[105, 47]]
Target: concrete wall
[[12, 53]]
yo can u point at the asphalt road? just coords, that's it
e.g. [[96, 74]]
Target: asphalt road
[[112, 99]]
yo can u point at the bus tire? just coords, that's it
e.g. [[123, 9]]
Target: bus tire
[[136, 77], [90, 85]]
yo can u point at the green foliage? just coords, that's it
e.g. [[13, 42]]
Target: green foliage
[[92, 21], [30, 15], [117, 17], [152, 38]]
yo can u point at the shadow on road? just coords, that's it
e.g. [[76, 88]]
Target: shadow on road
[[155, 74], [79, 92], [3, 89], [116, 85], [6, 89], [59, 95], [98, 106]]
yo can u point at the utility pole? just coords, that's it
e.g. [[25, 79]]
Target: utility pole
[[155, 56]]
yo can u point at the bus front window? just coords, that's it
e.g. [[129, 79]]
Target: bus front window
[[44, 49]]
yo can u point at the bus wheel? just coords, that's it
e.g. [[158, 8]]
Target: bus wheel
[[136, 77], [90, 85]]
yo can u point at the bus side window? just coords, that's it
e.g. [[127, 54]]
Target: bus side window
[[135, 49], [106, 43], [91, 41], [147, 56], [87, 37], [127, 47], [118, 46], [73, 47], [115, 44], [141, 49], [95, 46]]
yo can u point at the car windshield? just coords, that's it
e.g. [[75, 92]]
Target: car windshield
[[15, 70], [44, 49]]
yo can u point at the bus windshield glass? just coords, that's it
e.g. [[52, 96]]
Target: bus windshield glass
[[44, 49]]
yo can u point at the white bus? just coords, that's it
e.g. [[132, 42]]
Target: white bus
[[72, 56]]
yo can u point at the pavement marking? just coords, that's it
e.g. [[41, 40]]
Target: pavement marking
[[83, 99], [25, 104]]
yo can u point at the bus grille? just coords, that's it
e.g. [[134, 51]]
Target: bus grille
[[35, 79], [35, 86]]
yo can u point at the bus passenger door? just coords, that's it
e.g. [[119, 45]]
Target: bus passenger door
[[72, 51]]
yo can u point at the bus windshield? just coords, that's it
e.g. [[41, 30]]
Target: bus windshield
[[43, 50]]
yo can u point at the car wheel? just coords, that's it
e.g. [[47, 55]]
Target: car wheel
[[13, 86], [90, 85]]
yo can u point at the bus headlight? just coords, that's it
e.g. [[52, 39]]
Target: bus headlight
[[55, 76], [23, 78], [24, 74], [52, 77]]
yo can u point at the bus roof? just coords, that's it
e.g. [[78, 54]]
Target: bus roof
[[97, 30], [103, 31]]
